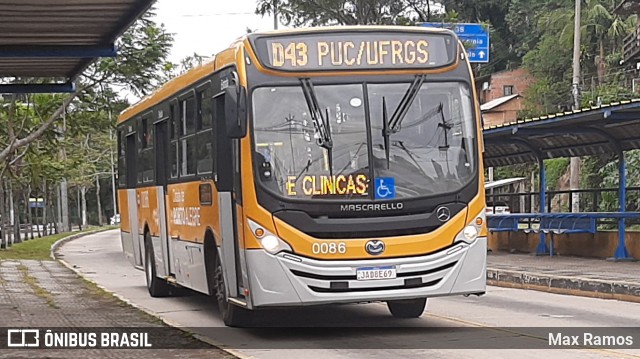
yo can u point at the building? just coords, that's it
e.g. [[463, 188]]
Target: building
[[501, 110], [501, 95]]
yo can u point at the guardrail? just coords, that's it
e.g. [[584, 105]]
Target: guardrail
[[560, 201], [556, 223]]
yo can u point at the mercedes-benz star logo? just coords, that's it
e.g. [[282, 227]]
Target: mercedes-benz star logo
[[374, 247], [443, 214]]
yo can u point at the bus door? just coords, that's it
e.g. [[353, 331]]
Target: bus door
[[132, 173], [162, 175], [230, 203]]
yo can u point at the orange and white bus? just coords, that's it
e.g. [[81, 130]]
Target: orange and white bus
[[316, 166]]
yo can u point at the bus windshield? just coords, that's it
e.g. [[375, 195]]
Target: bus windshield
[[418, 140]]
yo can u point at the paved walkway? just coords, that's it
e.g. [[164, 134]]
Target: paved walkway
[[570, 275], [45, 294]]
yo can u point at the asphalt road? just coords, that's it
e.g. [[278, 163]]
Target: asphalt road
[[504, 317]]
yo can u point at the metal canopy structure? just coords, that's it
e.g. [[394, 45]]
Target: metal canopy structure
[[592, 131], [606, 129], [58, 39]]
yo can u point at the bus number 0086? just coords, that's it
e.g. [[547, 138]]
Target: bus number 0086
[[329, 248]]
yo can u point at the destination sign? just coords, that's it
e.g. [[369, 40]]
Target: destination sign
[[356, 51], [322, 185]]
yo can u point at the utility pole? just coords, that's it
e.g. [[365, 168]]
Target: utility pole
[[64, 190], [275, 14], [574, 167], [113, 173]]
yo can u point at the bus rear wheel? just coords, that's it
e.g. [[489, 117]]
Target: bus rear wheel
[[156, 286], [232, 315], [407, 308]]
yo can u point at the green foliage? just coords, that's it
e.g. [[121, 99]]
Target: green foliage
[[345, 12], [35, 249], [519, 170], [610, 179], [171, 70], [38, 148], [142, 53], [545, 96], [607, 93], [555, 168]]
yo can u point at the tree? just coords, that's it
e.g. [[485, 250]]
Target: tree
[[171, 70], [32, 133], [347, 12], [607, 29], [142, 51]]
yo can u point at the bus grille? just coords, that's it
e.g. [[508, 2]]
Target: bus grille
[[332, 283], [407, 285]]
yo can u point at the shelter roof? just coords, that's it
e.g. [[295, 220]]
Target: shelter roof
[[605, 129], [60, 38]]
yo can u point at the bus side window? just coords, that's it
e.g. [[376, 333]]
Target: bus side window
[[174, 121], [206, 135], [222, 166], [140, 138], [145, 158], [122, 162], [188, 142]]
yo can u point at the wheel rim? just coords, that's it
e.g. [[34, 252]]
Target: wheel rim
[[219, 283]]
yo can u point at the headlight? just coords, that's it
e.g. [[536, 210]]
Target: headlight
[[470, 233], [269, 241], [472, 230]]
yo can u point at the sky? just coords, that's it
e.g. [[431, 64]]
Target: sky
[[208, 26]]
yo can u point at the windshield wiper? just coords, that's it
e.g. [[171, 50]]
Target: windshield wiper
[[320, 120], [394, 124], [385, 129], [445, 126]]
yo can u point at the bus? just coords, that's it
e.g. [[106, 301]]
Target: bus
[[304, 167]]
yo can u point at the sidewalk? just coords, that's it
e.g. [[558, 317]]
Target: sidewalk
[[45, 294], [565, 275]]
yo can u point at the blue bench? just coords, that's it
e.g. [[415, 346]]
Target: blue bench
[[565, 224], [560, 223], [502, 224], [581, 224]]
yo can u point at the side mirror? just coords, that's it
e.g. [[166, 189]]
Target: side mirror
[[235, 105]]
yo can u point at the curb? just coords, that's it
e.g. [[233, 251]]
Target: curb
[[577, 286], [165, 321], [61, 241]]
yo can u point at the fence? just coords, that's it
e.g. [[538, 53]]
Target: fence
[[591, 200]]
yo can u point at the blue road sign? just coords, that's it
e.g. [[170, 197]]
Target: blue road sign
[[475, 37]]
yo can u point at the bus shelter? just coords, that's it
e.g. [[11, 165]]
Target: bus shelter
[[56, 40], [608, 129]]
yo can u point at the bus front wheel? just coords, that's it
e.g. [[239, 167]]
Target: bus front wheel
[[407, 308], [232, 315], [156, 286]]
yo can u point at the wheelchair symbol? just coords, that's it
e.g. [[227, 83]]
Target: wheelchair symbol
[[385, 190]]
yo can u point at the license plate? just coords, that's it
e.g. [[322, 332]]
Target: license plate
[[376, 273]]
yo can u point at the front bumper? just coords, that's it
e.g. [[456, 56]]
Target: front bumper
[[290, 280]]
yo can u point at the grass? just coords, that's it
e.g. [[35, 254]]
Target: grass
[[37, 248], [35, 286]]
